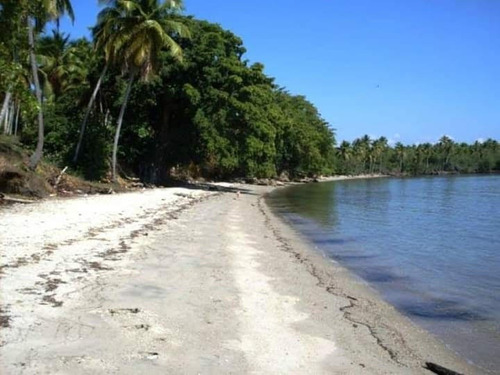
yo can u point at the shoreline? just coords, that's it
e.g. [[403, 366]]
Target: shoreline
[[405, 342], [176, 280]]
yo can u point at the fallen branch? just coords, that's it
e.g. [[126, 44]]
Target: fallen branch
[[440, 370], [4, 198], [58, 180]]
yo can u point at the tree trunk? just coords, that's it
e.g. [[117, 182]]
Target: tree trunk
[[5, 106], [10, 118], [5, 122], [446, 161], [107, 117], [37, 156], [120, 121], [162, 134], [16, 122], [87, 113]]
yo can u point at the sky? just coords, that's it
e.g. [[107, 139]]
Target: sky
[[411, 70]]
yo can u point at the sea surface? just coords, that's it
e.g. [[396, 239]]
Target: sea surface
[[430, 246]]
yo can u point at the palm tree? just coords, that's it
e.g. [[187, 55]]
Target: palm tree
[[446, 144], [427, 152], [9, 20], [15, 82], [37, 14], [104, 34], [5, 106], [401, 153], [62, 64], [133, 33], [379, 148], [361, 148], [345, 151]]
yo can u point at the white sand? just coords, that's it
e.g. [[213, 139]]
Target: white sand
[[146, 283]]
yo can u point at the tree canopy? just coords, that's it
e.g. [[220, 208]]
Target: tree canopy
[[199, 108]]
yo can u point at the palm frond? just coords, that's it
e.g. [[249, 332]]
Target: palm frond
[[178, 28], [133, 32]]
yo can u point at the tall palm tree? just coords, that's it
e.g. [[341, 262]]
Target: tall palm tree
[[427, 152], [38, 12], [361, 147], [446, 144], [345, 151], [5, 106], [401, 154], [110, 23], [132, 34], [9, 21], [104, 34], [379, 149]]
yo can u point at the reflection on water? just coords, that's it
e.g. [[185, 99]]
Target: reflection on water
[[441, 309], [315, 205], [430, 245]]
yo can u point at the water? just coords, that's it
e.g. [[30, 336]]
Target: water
[[431, 246]]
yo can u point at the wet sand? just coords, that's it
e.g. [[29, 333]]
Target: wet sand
[[188, 281]]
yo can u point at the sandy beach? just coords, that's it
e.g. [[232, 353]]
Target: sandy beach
[[188, 281]]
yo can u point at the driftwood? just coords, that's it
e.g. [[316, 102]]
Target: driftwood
[[6, 199], [58, 180], [440, 370]]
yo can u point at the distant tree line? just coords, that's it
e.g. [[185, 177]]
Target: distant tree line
[[155, 92], [365, 155]]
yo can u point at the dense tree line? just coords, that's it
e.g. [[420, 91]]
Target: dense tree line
[[155, 91], [365, 155]]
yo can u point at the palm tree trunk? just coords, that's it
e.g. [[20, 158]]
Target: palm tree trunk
[[5, 106], [37, 156], [87, 113], [5, 121], [107, 118], [10, 118], [16, 122], [120, 121]]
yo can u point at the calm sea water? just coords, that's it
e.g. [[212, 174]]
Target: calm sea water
[[431, 246]]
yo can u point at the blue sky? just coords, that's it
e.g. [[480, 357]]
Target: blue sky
[[410, 70]]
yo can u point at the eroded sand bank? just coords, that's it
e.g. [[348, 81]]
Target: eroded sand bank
[[188, 281]]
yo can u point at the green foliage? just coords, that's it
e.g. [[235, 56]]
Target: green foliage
[[213, 114], [228, 118], [305, 141], [206, 111], [64, 64]]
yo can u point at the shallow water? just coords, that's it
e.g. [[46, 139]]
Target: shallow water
[[431, 246]]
